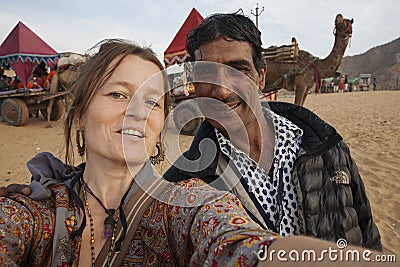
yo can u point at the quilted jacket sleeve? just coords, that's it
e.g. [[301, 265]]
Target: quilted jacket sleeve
[[369, 230]]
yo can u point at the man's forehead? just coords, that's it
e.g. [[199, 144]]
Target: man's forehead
[[225, 51]]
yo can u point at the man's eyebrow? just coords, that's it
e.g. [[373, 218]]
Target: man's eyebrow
[[238, 62]]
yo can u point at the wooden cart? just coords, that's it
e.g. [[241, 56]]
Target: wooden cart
[[17, 105]]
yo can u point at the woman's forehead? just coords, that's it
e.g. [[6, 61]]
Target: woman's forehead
[[136, 67], [138, 73]]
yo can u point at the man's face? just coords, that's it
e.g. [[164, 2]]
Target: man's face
[[228, 95]]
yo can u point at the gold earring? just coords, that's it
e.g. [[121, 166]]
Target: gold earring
[[159, 156], [81, 148]]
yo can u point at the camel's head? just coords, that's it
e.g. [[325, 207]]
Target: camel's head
[[343, 27]]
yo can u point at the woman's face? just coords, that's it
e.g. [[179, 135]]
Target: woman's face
[[126, 116]]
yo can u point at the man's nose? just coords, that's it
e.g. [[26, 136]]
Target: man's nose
[[220, 91], [221, 87]]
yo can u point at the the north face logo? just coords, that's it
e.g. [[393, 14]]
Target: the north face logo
[[340, 177]]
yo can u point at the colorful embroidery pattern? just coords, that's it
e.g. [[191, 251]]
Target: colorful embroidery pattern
[[218, 233], [26, 232]]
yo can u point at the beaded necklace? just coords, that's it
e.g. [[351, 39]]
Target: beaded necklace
[[92, 231], [109, 222]]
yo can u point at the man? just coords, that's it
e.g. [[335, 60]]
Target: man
[[313, 187]]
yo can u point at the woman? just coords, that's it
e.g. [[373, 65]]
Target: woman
[[97, 215], [98, 191]]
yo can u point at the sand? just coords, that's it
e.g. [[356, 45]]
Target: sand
[[368, 121]]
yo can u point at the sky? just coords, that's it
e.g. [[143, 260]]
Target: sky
[[77, 25]]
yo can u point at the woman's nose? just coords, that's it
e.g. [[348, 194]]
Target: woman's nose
[[137, 110]]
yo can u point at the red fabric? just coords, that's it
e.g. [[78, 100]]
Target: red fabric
[[178, 44], [22, 40], [317, 85], [48, 78], [341, 84], [23, 70]]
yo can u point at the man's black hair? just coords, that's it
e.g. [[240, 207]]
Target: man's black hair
[[234, 26]]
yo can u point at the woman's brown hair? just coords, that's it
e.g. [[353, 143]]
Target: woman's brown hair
[[94, 74]]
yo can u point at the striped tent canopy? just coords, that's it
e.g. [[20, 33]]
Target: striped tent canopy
[[176, 51], [9, 59], [23, 50]]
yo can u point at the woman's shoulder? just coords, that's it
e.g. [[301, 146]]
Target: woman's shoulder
[[59, 191]]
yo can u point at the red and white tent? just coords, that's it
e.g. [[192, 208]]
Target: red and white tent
[[23, 50], [176, 51]]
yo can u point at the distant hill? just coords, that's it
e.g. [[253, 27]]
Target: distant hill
[[383, 62]]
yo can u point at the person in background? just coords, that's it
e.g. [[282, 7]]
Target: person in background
[[331, 87], [40, 74], [341, 85], [48, 79], [3, 82], [324, 86]]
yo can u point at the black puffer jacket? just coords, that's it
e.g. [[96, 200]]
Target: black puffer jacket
[[330, 193]]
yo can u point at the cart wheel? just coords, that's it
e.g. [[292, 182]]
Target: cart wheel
[[186, 117], [14, 111], [56, 112]]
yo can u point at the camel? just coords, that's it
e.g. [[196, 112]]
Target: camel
[[300, 76], [68, 69]]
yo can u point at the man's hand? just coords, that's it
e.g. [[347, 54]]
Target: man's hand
[[15, 188]]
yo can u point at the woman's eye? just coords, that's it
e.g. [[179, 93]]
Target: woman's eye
[[117, 95], [151, 104]]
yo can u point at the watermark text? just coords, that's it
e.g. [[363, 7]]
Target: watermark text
[[338, 253]]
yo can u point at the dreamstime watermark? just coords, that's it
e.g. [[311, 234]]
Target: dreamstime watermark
[[338, 253]]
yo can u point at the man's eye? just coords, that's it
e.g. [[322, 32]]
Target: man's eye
[[117, 95], [238, 70]]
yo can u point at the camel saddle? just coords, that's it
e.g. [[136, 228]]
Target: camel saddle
[[283, 53], [71, 60]]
